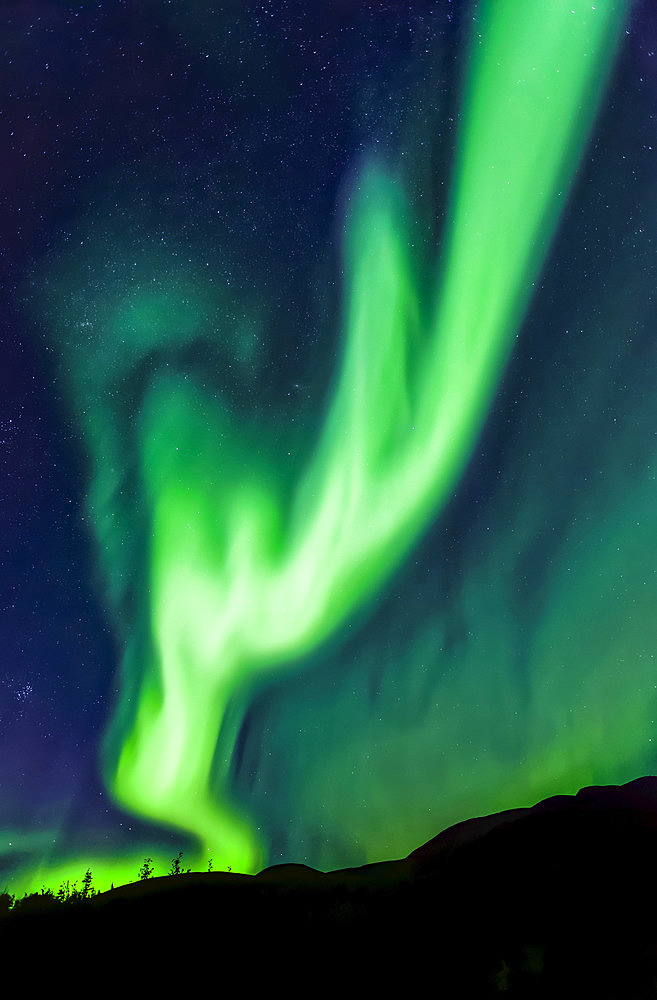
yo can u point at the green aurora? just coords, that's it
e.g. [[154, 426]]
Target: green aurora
[[247, 574]]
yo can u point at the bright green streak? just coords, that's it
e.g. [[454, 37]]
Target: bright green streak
[[240, 584]]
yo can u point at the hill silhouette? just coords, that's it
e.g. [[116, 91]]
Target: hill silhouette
[[555, 900]]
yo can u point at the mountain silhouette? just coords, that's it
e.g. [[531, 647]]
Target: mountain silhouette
[[555, 900]]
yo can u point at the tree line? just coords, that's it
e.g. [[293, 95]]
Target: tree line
[[70, 893]]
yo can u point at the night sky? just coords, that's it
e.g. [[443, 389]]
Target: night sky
[[327, 423]]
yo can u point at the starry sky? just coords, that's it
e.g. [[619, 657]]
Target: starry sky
[[239, 616]]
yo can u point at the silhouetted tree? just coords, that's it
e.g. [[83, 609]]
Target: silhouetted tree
[[87, 888], [147, 869], [175, 864], [64, 892]]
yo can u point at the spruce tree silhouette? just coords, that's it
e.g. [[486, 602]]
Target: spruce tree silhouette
[[87, 888]]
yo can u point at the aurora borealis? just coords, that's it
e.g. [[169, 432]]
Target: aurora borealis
[[368, 495]]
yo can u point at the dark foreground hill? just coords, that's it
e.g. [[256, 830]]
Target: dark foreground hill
[[554, 901]]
